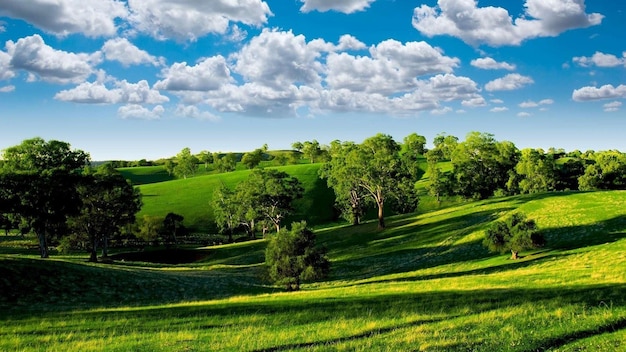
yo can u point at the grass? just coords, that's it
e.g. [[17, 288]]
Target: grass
[[423, 284], [193, 197]]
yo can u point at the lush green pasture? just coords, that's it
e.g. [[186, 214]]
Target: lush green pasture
[[193, 197], [425, 283]]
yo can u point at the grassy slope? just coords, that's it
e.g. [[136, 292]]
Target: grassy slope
[[425, 283], [193, 197]]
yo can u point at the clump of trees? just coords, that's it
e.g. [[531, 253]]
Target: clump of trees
[[292, 257], [516, 233], [370, 173], [264, 199]]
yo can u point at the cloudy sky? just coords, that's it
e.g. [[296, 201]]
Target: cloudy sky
[[145, 78]]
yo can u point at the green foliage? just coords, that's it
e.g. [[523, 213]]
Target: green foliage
[[253, 159], [538, 171], [38, 156], [515, 233], [292, 257], [226, 163], [607, 171], [187, 164]]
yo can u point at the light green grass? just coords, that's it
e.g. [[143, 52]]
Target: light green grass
[[193, 197], [423, 284]]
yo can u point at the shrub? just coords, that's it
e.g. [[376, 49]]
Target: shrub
[[514, 234], [291, 257]]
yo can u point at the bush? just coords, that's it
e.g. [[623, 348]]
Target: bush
[[514, 234], [291, 257]]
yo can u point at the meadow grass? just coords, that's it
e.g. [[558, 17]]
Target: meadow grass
[[193, 197], [424, 284]]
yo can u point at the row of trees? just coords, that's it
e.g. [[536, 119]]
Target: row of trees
[[483, 167]]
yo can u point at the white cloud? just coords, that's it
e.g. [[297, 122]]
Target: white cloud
[[488, 63], [209, 74], [348, 42], [474, 102], [279, 59], [612, 106], [532, 104], [190, 20], [511, 81], [38, 59], [494, 26], [594, 93], [391, 67], [345, 6], [499, 109], [600, 60], [7, 89], [139, 112], [123, 51], [5, 66], [524, 114], [497, 101], [3, 27], [193, 111], [93, 18], [122, 93], [442, 111]]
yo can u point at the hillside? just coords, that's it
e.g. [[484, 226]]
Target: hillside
[[425, 283], [193, 197]]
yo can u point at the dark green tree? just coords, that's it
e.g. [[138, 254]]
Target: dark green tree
[[226, 163], [253, 159], [173, 227], [186, 164], [516, 233], [273, 194], [292, 257]]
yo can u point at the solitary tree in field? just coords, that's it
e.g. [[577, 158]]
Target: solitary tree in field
[[514, 234], [292, 257], [187, 164], [173, 226]]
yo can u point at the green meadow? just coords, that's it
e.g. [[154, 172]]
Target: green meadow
[[425, 283]]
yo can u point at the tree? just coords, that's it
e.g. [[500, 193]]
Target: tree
[[253, 159], [108, 204], [149, 229], [481, 165], [226, 163], [169, 166], [606, 171], [436, 185], [225, 210], [187, 164], [40, 180], [514, 234], [538, 171], [173, 226], [206, 157], [446, 144], [292, 257], [339, 173], [273, 193], [311, 150]]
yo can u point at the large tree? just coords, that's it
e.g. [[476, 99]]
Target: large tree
[[40, 179], [274, 193], [538, 171], [253, 159], [108, 203], [514, 234]]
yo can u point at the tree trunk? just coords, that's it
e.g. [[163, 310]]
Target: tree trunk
[[381, 218], [43, 245], [514, 255], [93, 257], [105, 247]]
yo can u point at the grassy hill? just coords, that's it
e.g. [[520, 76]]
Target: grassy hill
[[193, 197], [423, 284]]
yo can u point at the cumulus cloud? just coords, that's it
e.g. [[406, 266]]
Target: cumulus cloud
[[7, 89], [349, 42], [5, 66], [93, 18], [494, 26], [601, 60], [605, 92], [209, 74], [488, 63], [279, 59], [125, 52], [122, 92], [499, 109], [190, 20], [511, 81], [497, 101], [33, 55], [345, 6], [135, 111], [612, 106], [391, 67], [524, 114]]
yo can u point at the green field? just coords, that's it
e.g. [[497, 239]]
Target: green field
[[423, 284], [192, 197]]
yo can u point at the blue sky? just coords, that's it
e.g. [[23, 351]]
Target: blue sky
[[145, 78]]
